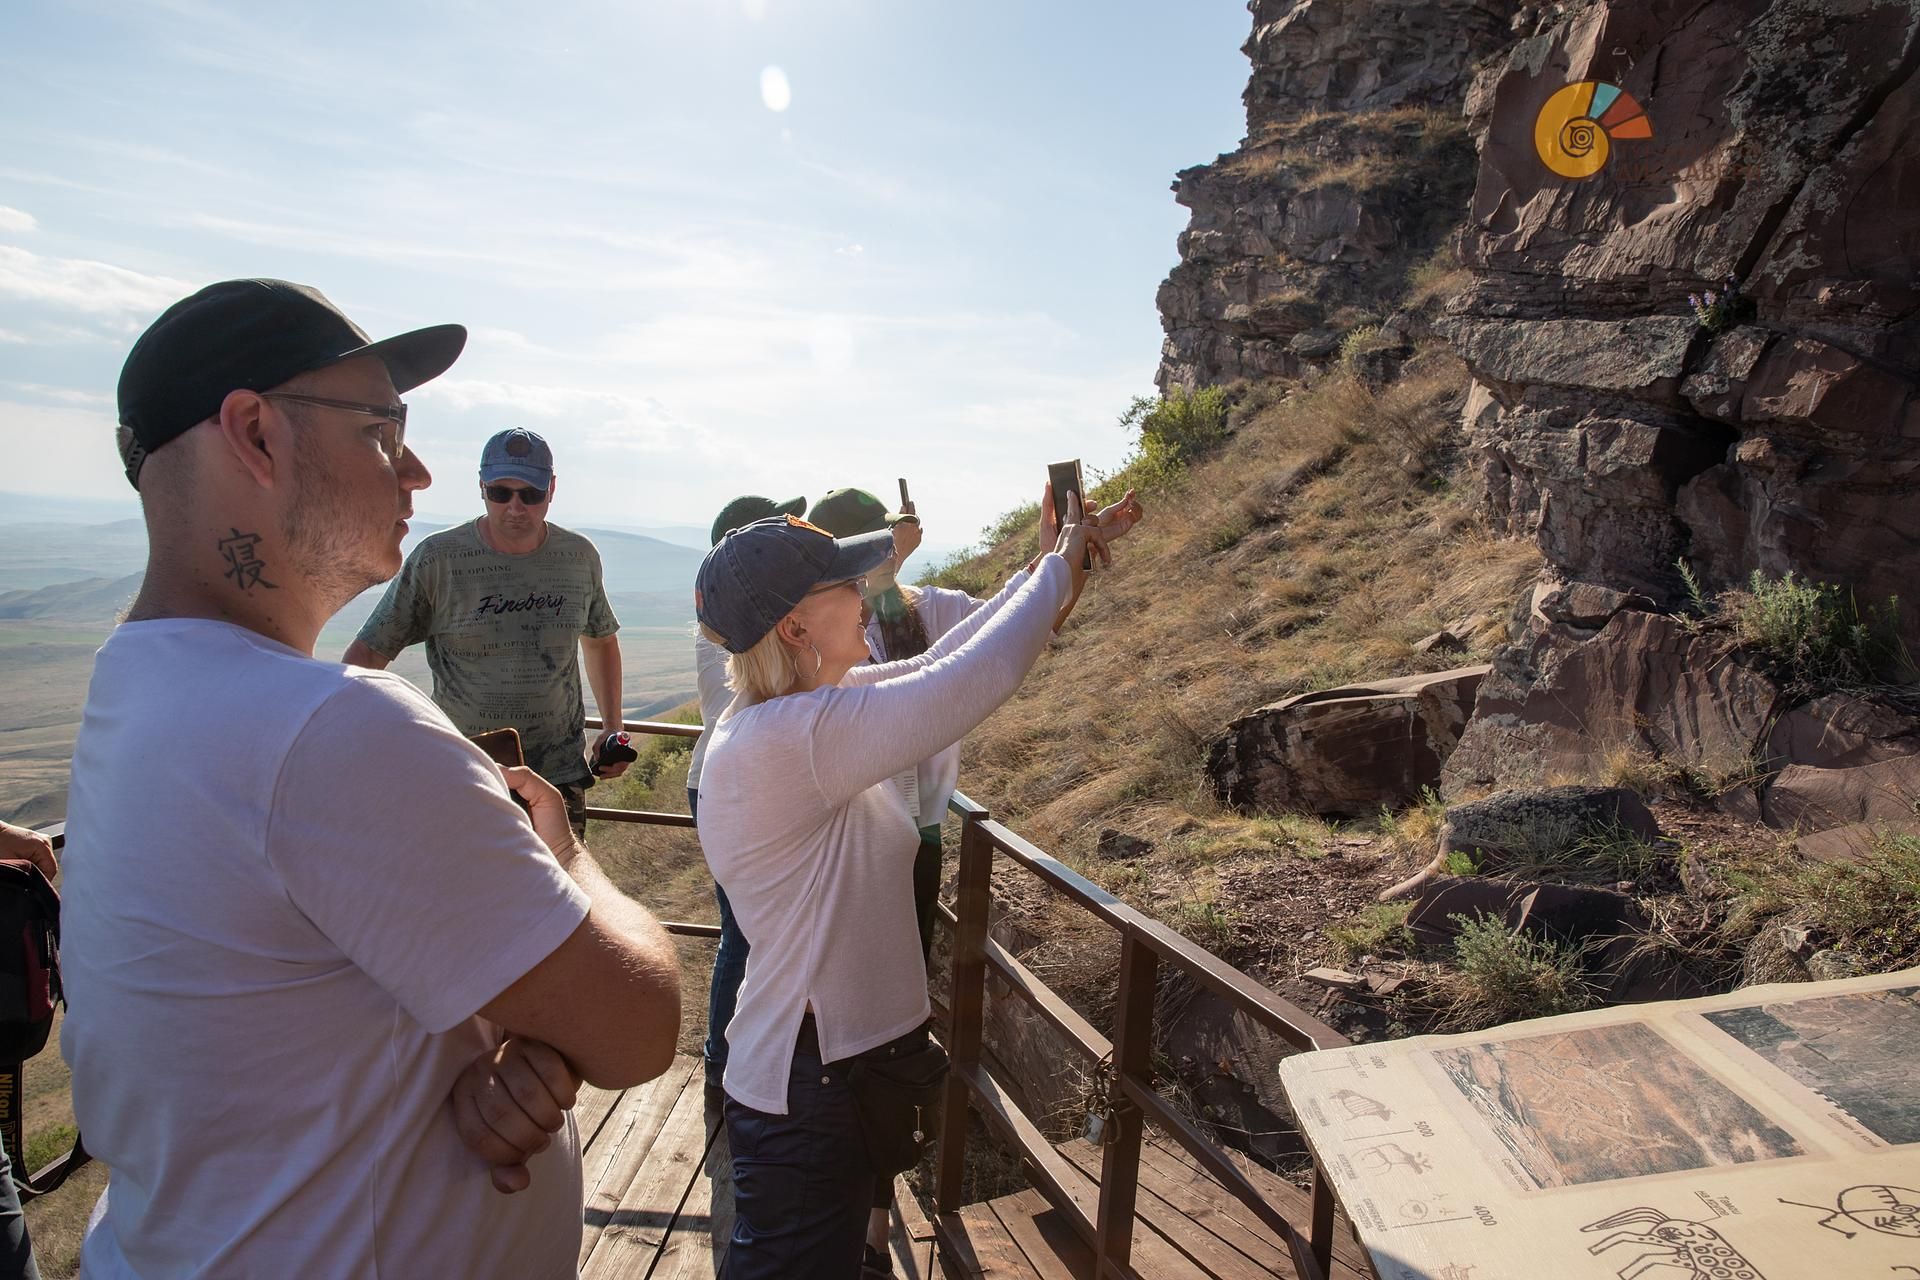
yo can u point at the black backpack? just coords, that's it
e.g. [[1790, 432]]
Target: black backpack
[[29, 990]]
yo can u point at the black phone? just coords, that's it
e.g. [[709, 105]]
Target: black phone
[[1064, 477]]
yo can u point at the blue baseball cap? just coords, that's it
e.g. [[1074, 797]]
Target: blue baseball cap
[[517, 454], [755, 575]]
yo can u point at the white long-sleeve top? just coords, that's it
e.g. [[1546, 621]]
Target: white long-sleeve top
[[710, 677], [807, 835], [941, 609]]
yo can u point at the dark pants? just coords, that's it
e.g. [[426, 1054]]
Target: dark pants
[[16, 1250], [729, 969], [802, 1181]]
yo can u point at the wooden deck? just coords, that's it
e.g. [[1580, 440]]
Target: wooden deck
[[1186, 1228], [659, 1206], [659, 1198]]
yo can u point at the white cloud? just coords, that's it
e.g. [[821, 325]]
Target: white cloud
[[17, 220], [72, 443], [8, 335], [62, 395], [98, 288]]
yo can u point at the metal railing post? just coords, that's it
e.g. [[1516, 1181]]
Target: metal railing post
[[966, 1004], [1132, 1061]]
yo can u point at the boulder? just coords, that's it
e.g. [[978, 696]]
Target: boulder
[[1439, 642], [1530, 827], [1802, 798], [1559, 703], [1346, 751]]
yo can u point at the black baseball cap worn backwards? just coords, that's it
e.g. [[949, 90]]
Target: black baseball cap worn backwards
[[252, 335], [755, 575]]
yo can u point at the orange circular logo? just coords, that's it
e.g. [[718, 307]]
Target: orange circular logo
[[1576, 127]]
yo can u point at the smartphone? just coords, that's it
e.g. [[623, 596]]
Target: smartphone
[[1065, 479], [503, 748]]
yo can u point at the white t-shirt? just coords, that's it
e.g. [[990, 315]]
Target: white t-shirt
[[289, 885], [941, 609], [710, 677], [808, 837]]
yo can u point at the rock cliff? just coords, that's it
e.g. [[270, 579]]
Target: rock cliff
[[1613, 424], [1355, 166]]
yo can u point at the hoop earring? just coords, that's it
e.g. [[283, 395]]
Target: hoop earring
[[818, 661]]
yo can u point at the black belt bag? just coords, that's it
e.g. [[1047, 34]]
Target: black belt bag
[[898, 1090]]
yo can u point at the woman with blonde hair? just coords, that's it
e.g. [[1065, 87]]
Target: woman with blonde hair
[[808, 837]]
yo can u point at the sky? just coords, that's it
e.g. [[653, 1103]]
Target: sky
[[705, 247]]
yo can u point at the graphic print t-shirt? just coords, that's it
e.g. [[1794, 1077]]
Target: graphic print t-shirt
[[502, 635]]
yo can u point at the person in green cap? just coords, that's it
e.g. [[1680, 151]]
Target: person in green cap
[[710, 675]]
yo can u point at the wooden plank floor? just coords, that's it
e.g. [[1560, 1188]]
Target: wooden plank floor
[[659, 1191], [659, 1206], [1186, 1227]]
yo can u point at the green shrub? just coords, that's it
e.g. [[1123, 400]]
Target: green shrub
[[1357, 341], [1379, 928], [1818, 635], [1173, 432], [1503, 975], [1870, 908]]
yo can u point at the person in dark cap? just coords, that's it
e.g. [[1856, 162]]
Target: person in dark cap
[[804, 828], [330, 991], [710, 676], [506, 604]]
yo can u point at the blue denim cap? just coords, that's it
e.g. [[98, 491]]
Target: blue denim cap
[[517, 454], [755, 576]]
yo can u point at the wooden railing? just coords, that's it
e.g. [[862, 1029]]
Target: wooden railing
[[1146, 946]]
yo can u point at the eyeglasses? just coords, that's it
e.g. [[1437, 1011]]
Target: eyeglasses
[[504, 495], [393, 440], [859, 583]]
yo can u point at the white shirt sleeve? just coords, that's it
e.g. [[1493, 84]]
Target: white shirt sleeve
[[899, 714], [398, 838]]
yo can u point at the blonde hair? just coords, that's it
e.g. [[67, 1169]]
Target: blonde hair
[[765, 671]]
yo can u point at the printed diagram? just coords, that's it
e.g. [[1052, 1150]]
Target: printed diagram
[[1856, 1051], [1603, 1103], [1383, 1156], [1359, 1106], [1659, 1241], [1413, 1212], [1894, 1211]]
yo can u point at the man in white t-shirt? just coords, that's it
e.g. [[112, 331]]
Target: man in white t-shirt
[[330, 993]]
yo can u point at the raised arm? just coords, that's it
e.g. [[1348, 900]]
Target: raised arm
[[864, 733]]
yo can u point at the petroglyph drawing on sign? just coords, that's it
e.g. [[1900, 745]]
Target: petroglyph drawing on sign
[[1893, 1211], [1385, 1155], [1359, 1105], [1856, 1051], [1671, 1243], [1608, 1102]]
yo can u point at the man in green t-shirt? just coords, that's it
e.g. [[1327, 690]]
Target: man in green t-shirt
[[506, 604]]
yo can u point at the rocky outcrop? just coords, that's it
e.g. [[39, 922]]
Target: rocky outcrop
[[1565, 698], [1344, 752], [1784, 433], [1523, 828], [1355, 165]]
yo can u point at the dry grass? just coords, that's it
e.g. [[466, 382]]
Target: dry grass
[[1334, 530], [1362, 151]]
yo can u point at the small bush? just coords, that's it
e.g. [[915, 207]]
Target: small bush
[[1870, 908], [1503, 976], [1818, 635], [1016, 521], [1356, 342], [1381, 927], [1173, 432]]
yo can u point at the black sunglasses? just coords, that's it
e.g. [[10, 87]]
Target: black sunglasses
[[501, 494]]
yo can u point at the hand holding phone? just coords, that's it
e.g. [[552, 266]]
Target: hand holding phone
[[1064, 478]]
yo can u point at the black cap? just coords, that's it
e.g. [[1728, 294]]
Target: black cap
[[755, 575], [252, 335]]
